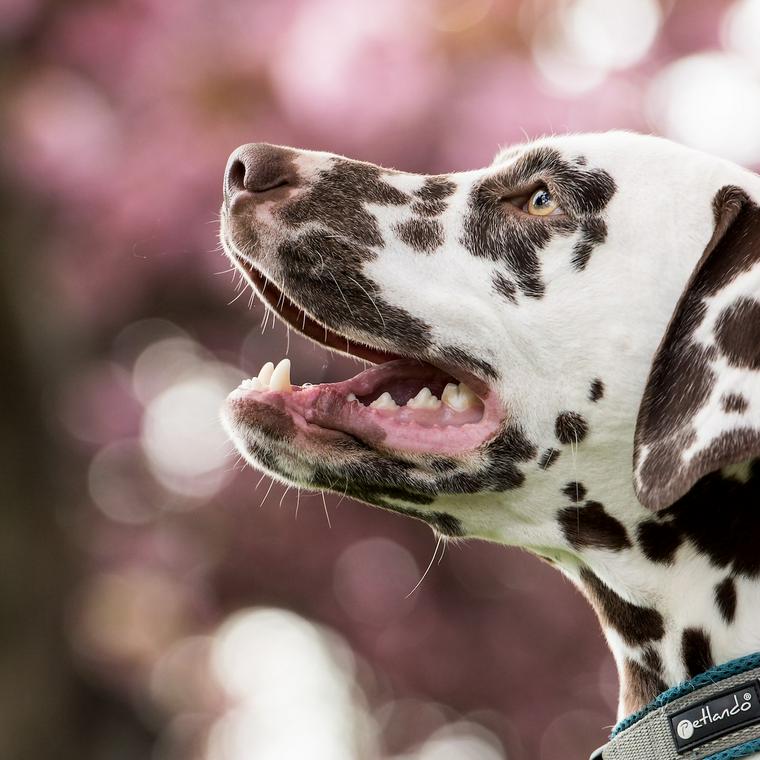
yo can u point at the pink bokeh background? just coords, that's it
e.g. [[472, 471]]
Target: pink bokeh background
[[164, 601]]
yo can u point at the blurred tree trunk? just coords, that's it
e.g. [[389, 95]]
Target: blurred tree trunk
[[47, 711]]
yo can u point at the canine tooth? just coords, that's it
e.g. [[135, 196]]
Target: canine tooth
[[466, 393], [351, 397], [280, 380], [424, 400], [384, 401], [265, 373]]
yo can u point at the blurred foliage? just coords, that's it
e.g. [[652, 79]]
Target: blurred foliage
[[157, 599]]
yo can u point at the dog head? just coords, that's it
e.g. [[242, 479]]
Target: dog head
[[515, 316]]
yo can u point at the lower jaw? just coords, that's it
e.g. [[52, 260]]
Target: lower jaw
[[321, 411]]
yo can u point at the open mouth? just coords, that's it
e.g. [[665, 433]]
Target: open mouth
[[401, 404]]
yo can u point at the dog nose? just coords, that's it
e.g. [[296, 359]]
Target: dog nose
[[260, 169]]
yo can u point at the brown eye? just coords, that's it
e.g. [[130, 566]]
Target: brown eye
[[541, 203]]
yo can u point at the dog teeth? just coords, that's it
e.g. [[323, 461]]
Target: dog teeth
[[424, 400], [265, 373], [384, 401], [351, 397], [253, 384], [458, 397], [280, 379]]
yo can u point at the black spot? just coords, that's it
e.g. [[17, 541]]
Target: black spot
[[458, 357], [720, 516], [737, 331], [591, 527], [593, 233], [443, 464], [725, 598], [570, 427], [734, 402], [575, 491], [596, 391], [500, 471], [548, 458], [659, 540], [447, 524], [696, 651], [505, 287], [636, 625]]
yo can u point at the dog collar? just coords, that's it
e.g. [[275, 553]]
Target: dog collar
[[714, 716]]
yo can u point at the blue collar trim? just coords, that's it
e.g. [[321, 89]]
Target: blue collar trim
[[718, 673]]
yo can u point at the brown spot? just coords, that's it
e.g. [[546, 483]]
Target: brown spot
[[734, 402], [652, 660], [639, 686], [423, 235], [274, 422], [596, 391], [505, 287], [659, 540], [548, 458], [431, 196], [590, 527], [725, 598], [738, 333], [696, 652], [570, 427], [492, 232], [593, 233], [636, 625], [575, 491], [681, 379]]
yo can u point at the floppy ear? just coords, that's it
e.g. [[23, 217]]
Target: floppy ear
[[701, 406]]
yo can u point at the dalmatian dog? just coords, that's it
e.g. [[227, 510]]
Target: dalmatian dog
[[565, 356]]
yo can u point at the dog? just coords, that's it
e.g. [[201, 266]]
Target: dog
[[565, 357]]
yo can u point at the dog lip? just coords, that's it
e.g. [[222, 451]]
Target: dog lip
[[324, 409]]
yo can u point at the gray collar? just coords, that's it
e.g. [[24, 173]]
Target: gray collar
[[714, 716]]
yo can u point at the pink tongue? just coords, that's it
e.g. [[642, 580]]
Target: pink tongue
[[423, 430]]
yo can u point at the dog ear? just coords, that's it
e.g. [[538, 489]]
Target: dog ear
[[701, 406]]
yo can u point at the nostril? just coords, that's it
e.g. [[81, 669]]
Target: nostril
[[236, 176], [266, 186], [265, 171]]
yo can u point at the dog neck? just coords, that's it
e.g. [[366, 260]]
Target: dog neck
[[677, 591]]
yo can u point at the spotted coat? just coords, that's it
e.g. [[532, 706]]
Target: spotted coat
[[622, 338]]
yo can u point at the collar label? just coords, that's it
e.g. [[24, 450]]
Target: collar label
[[716, 716]]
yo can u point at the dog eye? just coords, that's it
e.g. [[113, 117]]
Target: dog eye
[[541, 203]]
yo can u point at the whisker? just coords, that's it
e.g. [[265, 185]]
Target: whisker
[[379, 313], [341, 292], [327, 514], [266, 494], [427, 569]]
